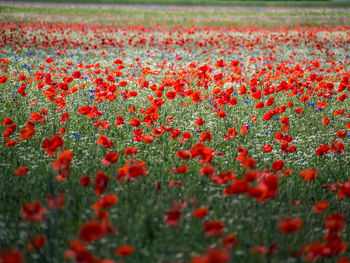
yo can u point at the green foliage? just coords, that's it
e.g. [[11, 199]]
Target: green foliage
[[271, 56], [243, 3], [135, 16]]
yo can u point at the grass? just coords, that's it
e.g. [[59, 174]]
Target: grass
[[288, 63], [140, 211], [136, 16], [209, 3]]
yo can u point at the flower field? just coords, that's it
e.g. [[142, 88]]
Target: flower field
[[174, 144]]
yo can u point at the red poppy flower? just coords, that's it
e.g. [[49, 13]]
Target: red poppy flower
[[344, 190], [130, 151], [36, 242], [231, 133], [271, 100], [338, 147], [110, 158], [170, 95], [320, 206], [10, 143], [106, 201], [85, 180], [11, 256], [76, 74], [103, 140], [199, 122], [347, 126], [21, 171], [213, 255], [244, 129], [33, 212], [238, 187], [259, 105], [147, 138], [325, 121], [185, 137], [277, 165], [213, 227], [266, 148], [131, 170], [64, 117], [229, 241], [51, 145], [290, 225], [182, 169], [172, 217], [299, 110], [342, 97], [26, 133], [207, 170], [284, 120], [220, 63], [91, 231], [3, 79], [101, 181], [62, 164], [341, 134], [203, 152], [175, 133], [124, 251], [135, 122], [200, 212], [184, 155], [308, 174], [7, 121], [55, 202], [334, 222], [206, 136], [322, 150]]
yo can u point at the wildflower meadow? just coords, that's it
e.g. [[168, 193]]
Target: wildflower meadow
[[174, 143]]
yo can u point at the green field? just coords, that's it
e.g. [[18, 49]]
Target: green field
[[104, 16], [295, 71], [208, 3], [174, 136]]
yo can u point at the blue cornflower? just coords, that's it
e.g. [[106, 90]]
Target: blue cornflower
[[76, 135]]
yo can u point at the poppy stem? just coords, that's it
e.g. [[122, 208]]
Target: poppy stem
[[51, 229]]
